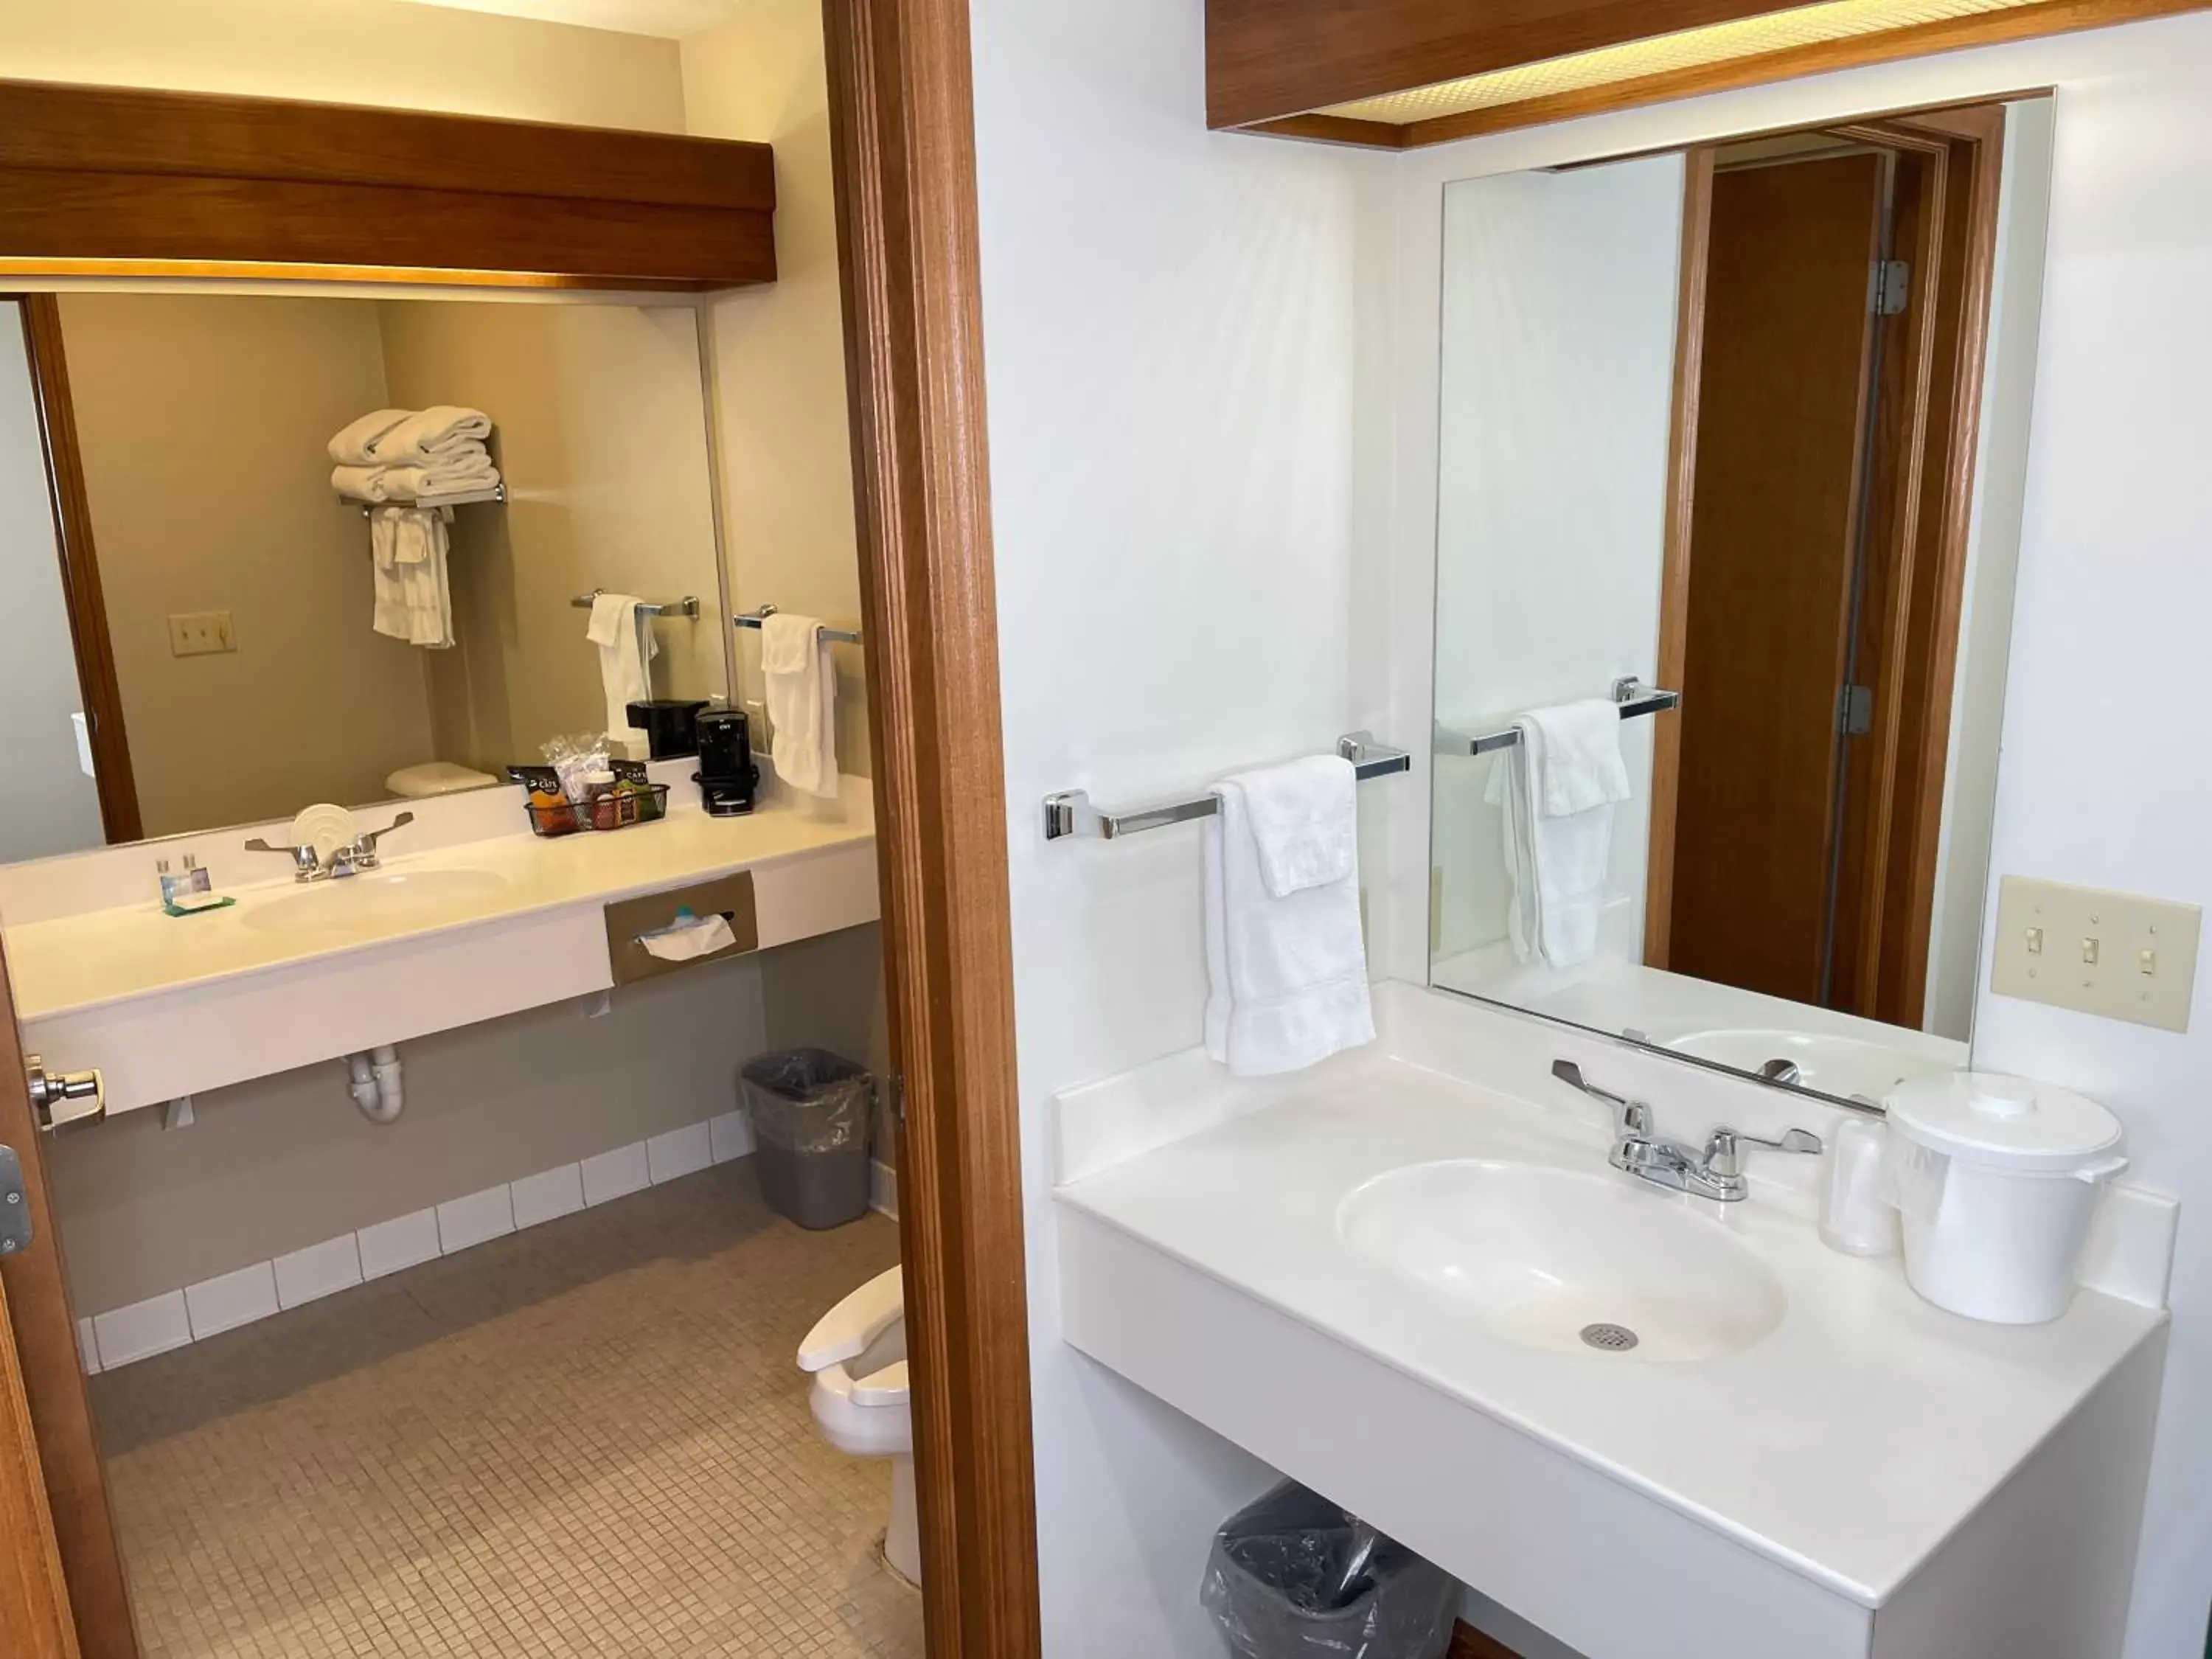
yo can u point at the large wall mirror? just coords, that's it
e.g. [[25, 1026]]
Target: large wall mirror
[[1732, 443], [193, 633]]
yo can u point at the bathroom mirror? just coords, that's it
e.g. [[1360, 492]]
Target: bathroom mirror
[[1731, 448], [189, 637]]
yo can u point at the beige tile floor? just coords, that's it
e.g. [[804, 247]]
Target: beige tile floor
[[587, 1438]]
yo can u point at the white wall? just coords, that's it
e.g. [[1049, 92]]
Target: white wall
[[2095, 784], [1557, 381], [1170, 320], [59, 812]]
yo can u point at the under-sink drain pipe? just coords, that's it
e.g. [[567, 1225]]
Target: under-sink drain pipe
[[376, 1085]]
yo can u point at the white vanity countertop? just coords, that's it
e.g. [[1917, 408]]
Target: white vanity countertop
[[67, 964], [1847, 1444]]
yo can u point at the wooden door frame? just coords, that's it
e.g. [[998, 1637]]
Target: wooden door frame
[[1964, 143], [904, 137], [81, 587], [34, 1599]]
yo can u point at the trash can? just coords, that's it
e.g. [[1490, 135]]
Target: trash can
[[1294, 1576], [811, 1112]]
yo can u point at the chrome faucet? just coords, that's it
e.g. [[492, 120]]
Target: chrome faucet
[[1716, 1172], [358, 855]]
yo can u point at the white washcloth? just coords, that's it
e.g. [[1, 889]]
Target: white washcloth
[[351, 446], [802, 703], [429, 434], [358, 483], [1305, 822], [464, 470], [1288, 975], [627, 649], [414, 599], [1569, 757]]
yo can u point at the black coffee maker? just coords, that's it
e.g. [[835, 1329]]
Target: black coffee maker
[[728, 778]]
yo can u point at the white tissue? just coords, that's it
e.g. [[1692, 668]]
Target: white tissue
[[1857, 1214], [689, 937]]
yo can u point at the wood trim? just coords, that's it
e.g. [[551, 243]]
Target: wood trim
[[1334, 129], [1919, 41], [902, 128], [35, 1283], [35, 1609], [1675, 568], [81, 587], [1468, 1643], [120, 179]]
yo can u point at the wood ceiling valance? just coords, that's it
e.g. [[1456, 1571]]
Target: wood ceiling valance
[[110, 179], [1397, 74]]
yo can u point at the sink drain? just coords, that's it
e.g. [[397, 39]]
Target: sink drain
[[1612, 1339]]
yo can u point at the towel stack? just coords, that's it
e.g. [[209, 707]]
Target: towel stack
[[397, 460]]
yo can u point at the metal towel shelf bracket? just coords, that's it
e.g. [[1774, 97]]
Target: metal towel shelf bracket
[[1070, 813], [1636, 700]]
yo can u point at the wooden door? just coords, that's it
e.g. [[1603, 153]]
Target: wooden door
[[1781, 403], [62, 1590]]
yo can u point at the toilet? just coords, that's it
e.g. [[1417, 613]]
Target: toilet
[[429, 778], [857, 1356]]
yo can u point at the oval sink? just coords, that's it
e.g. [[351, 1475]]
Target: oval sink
[[372, 903], [1573, 1264], [1839, 1065]]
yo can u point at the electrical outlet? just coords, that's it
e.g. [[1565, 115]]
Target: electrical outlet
[[201, 634], [2119, 955]]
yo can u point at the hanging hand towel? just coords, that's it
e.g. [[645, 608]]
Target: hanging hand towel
[[627, 649], [802, 703], [414, 599], [1557, 788], [432, 435], [1288, 973], [350, 447]]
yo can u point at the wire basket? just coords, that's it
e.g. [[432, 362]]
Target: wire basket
[[616, 810]]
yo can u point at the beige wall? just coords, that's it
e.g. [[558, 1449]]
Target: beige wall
[[780, 349], [53, 807], [356, 52], [203, 420], [601, 436]]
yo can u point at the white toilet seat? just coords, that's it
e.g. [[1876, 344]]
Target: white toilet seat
[[866, 1416], [857, 1353]]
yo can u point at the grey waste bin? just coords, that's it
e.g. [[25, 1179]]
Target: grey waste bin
[[811, 1112], [1276, 1586]]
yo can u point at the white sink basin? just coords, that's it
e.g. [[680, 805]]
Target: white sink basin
[[1553, 1259], [372, 902], [1839, 1065]]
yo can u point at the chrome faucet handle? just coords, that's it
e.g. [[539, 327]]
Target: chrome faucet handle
[[1724, 1148], [305, 866], [1632, 1118], [363, 853]]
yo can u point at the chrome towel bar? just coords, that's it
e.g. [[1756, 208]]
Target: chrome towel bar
[[1636, 700], [1070, 813], [686, 606], [754, 619]]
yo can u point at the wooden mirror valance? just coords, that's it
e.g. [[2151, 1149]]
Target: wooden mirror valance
[[1398, 74], [109, 180]]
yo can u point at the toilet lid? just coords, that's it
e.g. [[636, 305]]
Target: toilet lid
[[436, 778]]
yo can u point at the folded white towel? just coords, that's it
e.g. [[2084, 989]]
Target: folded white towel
[[351, 446], [464, 470], [1288, 975], [358, 483], [1557, 860], [414, 598], [429, 433], [627, 649], [1305, 822], [802, 703]]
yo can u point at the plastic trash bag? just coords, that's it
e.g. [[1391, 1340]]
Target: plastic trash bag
[[1276, 1585], [809, 1100]]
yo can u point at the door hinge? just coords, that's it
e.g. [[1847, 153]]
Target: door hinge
[[15, 1204], [1889, 287], [1855, 711], [895, 1095]]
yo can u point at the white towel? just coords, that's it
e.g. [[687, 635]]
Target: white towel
[[351, 446], [1288, 975], [429, 434], [627, 649], [414, 599], [464, 469], [802, 703], [1557, 788], [1305, 822], [360, 483]]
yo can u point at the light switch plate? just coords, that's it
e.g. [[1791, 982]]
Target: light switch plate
[[2119, 954], [201, 634]]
